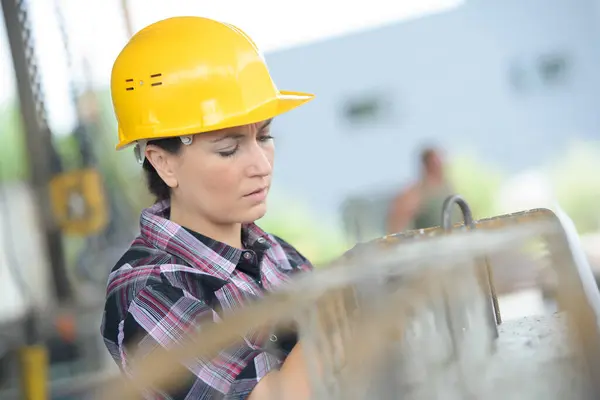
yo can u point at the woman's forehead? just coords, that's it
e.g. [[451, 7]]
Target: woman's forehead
[[238, 131]]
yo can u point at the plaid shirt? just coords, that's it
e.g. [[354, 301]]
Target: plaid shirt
[[171, 278]]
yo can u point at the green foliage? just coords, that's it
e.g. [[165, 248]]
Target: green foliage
[[13, 156], [577, 186], [68, 149], [13, 166], [573, 177], [297, 226], [477, 182]]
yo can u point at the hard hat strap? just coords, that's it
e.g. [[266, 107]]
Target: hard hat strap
[[139, 150]]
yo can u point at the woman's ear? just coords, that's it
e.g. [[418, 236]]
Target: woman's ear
[[164, 164]]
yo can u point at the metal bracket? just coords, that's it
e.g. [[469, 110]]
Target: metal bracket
[[494, 318], [447, 212]]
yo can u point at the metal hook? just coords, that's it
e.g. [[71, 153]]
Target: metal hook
[[447, 212], [493, 318]]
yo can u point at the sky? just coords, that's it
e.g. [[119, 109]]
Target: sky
[[97, 33]]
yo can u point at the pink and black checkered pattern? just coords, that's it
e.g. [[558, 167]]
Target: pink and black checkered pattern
[[172, 281]]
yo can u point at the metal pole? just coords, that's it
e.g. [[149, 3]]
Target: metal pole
[[127, 18], [81, 132], [44, 161]]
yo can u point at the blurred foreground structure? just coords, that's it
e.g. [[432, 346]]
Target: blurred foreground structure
[[413, 316]]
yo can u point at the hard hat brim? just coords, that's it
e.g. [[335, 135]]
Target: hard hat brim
[[284, 101]]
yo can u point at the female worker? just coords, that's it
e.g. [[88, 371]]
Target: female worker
[[195, 98]]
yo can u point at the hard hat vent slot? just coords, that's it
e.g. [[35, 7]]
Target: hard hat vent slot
[[156, 76], [130, 80]]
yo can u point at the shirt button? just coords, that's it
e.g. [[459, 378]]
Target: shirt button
[[247, 255], [273, 338]]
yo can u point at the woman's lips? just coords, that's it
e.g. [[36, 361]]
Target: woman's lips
[[257, 195]]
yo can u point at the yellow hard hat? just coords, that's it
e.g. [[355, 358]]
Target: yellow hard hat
[[187, 75]]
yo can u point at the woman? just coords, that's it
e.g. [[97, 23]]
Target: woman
[[195, 98]]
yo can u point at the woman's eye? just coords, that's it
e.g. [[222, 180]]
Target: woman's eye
[[265, 138], [229, 153]]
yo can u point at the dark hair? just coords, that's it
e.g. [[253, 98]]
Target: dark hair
[[156, 185], [426, 155]]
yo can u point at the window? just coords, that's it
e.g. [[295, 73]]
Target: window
[[553, 69], [366, 109], [545, 71]]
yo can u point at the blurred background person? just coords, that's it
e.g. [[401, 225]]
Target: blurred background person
[[419, 205]]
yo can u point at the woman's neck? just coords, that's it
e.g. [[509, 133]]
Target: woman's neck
[[230, 234]]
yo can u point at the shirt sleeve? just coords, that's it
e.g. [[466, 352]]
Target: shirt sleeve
[[161, 316]]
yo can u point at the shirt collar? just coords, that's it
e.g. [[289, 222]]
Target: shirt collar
[[208, 255]]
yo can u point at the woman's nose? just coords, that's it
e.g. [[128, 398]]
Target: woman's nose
[[260, 162]]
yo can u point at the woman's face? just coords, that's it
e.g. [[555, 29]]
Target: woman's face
[[224, 175]]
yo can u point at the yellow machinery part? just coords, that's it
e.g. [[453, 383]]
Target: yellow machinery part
[[78, 202], [34, 372]]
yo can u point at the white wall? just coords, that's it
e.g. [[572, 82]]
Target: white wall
[[20, 234], [447, 79]]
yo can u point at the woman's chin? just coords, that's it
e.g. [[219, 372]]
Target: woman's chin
[[255, 213]]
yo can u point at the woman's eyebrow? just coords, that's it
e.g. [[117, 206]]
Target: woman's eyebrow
[[228, 136], [233, 135], [266, 124]]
